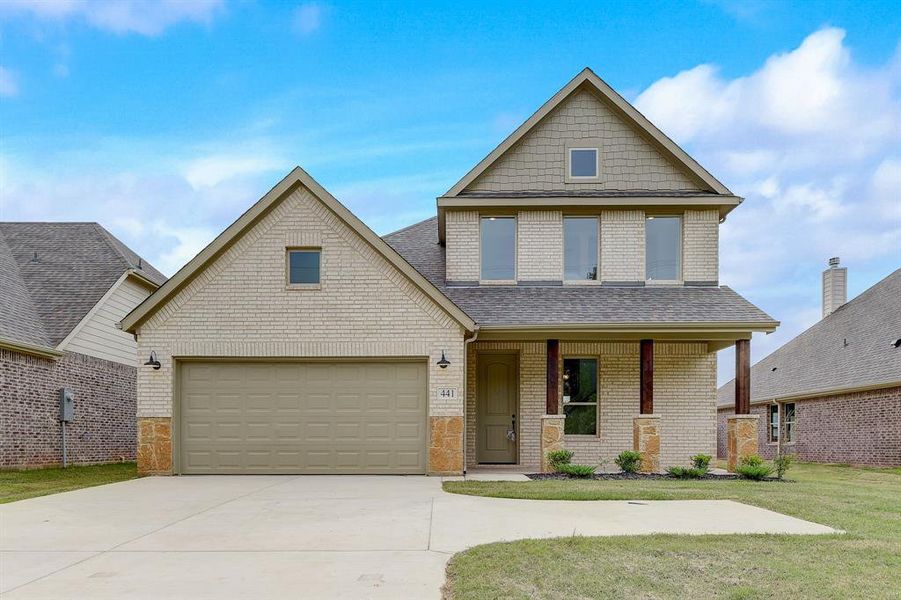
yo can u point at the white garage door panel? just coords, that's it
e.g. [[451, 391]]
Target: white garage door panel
[[340, 417]]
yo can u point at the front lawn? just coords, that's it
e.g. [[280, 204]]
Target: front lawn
[[19, 485], [863, 563]]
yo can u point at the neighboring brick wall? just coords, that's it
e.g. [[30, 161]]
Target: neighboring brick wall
[[239, 307], [538, 160], [684, 397], [861, 428], [462, 243], [700, 245], [622, 245], [539, 240], [104, 425]]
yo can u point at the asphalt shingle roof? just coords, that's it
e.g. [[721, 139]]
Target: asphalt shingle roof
[[550, 305], [852, 347], [52, 274]]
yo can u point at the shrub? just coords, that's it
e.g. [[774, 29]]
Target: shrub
[[583, 471], [782, 464], [629, 461], [687, 472], [556, 458], [752, 467], [701, 461]]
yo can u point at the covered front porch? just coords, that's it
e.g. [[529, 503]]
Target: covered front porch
[[596, 395]]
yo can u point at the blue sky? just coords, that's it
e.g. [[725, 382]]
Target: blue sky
[[165, 120]]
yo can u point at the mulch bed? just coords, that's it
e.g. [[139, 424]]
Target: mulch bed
[[638, 476]]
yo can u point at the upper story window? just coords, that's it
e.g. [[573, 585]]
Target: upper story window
[[583, 163], [663, 248], [498, 248], [303, 267], [580, 248], [580, 396]]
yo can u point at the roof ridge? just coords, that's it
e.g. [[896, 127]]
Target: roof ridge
[[107, 238]]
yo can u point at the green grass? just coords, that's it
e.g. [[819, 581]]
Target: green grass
[[863, 563], [19, 485]]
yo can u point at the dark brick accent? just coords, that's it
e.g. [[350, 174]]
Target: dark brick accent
[[104, 425], [860, 428]]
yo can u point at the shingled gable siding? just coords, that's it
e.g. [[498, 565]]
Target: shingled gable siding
[[537, 161], [239, 307], [539, 240], [104, 426], [861, 428], [684, 396]]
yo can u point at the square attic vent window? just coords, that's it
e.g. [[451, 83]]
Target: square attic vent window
[[583, 162]]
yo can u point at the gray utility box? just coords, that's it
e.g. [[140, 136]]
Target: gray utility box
[[66, 405]]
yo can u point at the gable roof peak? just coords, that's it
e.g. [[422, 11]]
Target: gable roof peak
[[588, 78]]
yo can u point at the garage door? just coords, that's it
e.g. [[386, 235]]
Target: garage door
[[316, 417]]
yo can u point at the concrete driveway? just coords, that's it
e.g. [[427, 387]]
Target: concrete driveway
[[301, 537]]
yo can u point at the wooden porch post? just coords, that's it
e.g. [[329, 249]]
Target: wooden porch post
[[742, 377], [646, 377], [553, 377]]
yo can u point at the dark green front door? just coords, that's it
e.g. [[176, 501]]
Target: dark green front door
[[497, 399]]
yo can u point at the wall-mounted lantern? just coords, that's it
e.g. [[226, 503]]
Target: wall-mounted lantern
[[153, 362], [443, 363]]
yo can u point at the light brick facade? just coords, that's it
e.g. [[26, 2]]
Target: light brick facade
[[462, 245], [539, 241], [627, 161], [700, 246], [539, 245], [239, 306], [860, 428], [684, 398]]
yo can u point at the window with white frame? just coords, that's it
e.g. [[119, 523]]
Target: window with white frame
[[785, 416], [498, 248], [788, 415], [583, 163], [580, 248], [774, 422], [663, 248], [580, 396]]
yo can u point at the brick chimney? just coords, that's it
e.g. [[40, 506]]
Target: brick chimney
[[835, 286]]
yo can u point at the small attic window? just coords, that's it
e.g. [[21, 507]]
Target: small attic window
[[583, 163]]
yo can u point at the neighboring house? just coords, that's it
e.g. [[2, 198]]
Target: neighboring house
[[836, 388], [566, 293], [63, 289]]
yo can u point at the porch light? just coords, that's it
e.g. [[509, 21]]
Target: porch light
[[443, 363], [152, 361]]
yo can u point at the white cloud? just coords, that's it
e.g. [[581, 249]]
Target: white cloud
[[210, 171], [307, 18], [811, 140], [144, 17], [9, 83]]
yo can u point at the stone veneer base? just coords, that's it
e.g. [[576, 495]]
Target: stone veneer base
[[646, 441], [551, 438], [445, 445], [741, 439], [154, 446]]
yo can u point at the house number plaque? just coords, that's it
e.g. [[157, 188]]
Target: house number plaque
[[447, 393]]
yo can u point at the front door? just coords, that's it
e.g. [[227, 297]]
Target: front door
[[497, 399]]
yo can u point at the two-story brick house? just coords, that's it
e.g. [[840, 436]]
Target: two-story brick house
[[566, 294]]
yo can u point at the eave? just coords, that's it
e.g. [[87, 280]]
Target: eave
[[33, 349]]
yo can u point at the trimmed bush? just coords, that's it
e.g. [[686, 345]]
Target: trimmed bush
[[629, 461], [556, 458], [752, 467], [583, 471], [687, 472], [701, 461]]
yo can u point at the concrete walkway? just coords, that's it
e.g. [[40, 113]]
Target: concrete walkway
[[310, 537]]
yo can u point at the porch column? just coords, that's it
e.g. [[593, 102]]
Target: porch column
[[552, 405], [646, 426], [552, 422], [741, 428]]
